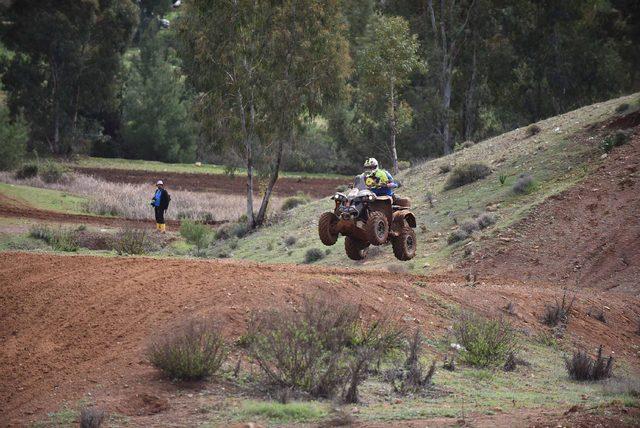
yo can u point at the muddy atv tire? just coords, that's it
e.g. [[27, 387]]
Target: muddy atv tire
[[377, 228], [326, 228], [404, 245], [355, 249]]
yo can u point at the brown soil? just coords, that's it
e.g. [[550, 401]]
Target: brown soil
[[77, 325], [314, 187], [587, 236]]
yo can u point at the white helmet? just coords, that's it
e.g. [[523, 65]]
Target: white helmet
[[371, 163], [159, 183]]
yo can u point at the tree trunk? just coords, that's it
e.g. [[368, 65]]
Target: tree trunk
[[248, 156], [446, 106], [394, 130], [469, 108], [262, 213]]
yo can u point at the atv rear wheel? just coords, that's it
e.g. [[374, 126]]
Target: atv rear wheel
[[326, 228], [355, 249], [377, 228], [404, 245]]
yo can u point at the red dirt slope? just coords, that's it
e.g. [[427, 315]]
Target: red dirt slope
[[588, 235], [286, 186], [73, 325]]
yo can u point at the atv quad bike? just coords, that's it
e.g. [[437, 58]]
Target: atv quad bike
[[366, 219]]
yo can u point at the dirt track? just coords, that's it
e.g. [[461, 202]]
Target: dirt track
[[314, 187], [77, 324], [588, 235]]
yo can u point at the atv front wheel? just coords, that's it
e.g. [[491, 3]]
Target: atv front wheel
[[355, 249], [377, 228], [404, 245], [326, 228]]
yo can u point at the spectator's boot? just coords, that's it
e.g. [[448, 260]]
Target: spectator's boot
[[158, 227], [163, 228]]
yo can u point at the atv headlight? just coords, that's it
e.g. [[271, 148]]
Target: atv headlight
[[371, 198]]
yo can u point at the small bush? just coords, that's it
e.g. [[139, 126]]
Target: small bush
[[294, 201], [90, 417], [532, 130], [503, 179], [524, 184], [284, 413], [52, 172], [485, 220], [28, 170], [313, 255], [130, 241], [466, 174], [444, 168], [193, 353], [617, 139], [404, 165], [196, 234], [413, 378], [558, 313], [582, 367], [486, 342], [290, 240], [60, 239], [457, 236], [462, 146], [622, 108], [597, 314], [239, 229], [470, 226]]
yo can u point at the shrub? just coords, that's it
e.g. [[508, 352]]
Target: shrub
[[485, 220], [130, 241], [456, 236], [27, 170], [466, 174], [290, 240], [284, 413], [342, 188], [52, 172], [622, 108], [305, 350], [532, 130], [90, 417], [524, 184], [313, 255], [194, 352], [294, 201], [470, 226], [444, 168], [412, 378], [239, 229], [558, 312], [597, 314], [617, 139], [13, 139], [485, 342], [503, 179], [462, 146], [404, 165], [582, 367], [195, 234], [60, 239]]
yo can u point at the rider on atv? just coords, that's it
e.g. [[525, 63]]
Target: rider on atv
[[381, 182]]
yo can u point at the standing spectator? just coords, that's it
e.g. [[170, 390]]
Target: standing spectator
[[160, 203]]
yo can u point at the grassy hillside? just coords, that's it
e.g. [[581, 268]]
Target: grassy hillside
[[560, 155]]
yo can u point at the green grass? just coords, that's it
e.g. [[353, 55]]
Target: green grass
[[45, 199], [143, 165], [274, 412]]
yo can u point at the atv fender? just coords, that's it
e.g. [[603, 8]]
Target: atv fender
[[402, 217]]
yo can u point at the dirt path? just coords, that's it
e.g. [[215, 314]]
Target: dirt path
[[314, 187], [72, 325], [588, 235]]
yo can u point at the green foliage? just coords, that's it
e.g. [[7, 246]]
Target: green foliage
[[313, 255], [238, 229], [524, 184], [616, 139], [622, 108], [13, 138], [52, 172], [194, 352], [157, 120], [290, 240], [197, 234], [284, 413], [457, 236], [63, 73], [294, 201], [486, 342], [532, 130], [130, 241], [465, 174], [503, 179], [27, 170], [59, 239]]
